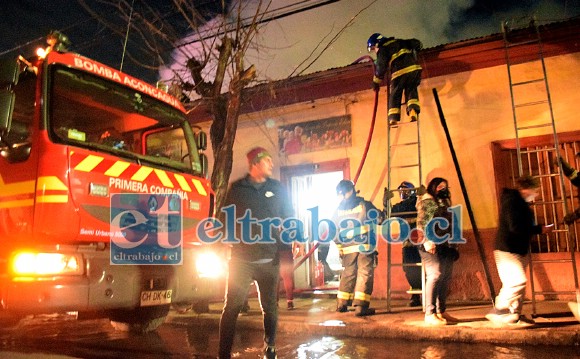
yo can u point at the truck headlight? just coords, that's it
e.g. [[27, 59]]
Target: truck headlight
[[209, 265], [44, 264]]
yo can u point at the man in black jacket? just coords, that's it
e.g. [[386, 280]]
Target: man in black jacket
[[255, 257], [516, 229], [399, 57]]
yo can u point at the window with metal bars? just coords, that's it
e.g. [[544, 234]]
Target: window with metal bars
[[539, 159]]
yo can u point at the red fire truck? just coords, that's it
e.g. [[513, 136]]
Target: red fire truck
[[74, 133]]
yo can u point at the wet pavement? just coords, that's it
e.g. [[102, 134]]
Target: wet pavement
[[553, 324]]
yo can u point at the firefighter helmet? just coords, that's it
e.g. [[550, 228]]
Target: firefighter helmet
[[344, 187], [374, 40], [406, 189]]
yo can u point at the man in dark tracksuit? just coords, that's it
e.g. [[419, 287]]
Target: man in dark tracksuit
[[264, 198], [357, 253], [407, 211], [400, 57]]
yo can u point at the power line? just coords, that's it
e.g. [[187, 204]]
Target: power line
[[262, 21]]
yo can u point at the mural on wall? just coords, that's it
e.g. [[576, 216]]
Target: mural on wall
[[316, 135]]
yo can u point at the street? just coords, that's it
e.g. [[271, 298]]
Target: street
[[62, 336]]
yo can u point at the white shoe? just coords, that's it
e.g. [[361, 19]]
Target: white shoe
[[434, 320]]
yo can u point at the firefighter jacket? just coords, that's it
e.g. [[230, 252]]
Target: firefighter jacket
[[399, 55], [356, 235]]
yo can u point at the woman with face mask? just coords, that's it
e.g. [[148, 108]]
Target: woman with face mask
[[437, 260]]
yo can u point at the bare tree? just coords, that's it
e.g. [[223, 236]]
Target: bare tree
[[210, 39], [221, 40]]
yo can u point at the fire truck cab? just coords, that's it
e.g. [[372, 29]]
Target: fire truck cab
[[102, 184]]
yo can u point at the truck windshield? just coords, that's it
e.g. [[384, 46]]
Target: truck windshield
[[93, 112]]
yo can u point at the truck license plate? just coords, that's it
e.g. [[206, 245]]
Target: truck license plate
[[155, 297]]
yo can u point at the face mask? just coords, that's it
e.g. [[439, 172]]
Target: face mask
[[530, 198], [444, 193]]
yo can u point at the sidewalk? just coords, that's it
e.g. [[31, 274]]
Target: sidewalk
[[554, 323]]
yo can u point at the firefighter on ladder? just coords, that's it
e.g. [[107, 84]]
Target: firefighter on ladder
[[356, 249], [400, 57]]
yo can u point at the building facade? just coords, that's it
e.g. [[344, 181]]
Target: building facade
[[318, 128]]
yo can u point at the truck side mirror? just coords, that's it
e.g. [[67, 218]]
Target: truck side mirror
[[204, 164], [9, 71], [7, 99], [201, 139]]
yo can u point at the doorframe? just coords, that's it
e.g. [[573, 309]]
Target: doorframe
[[286, 174]]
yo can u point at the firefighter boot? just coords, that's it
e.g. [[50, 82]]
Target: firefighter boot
[[363, 310], [414, 115], [270, 353]]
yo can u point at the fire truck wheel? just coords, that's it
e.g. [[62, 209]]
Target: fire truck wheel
[[139, 320], [201, 306]]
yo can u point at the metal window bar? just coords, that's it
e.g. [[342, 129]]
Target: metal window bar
[[538, 160]]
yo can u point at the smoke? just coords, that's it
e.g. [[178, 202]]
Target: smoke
[[284, 46]]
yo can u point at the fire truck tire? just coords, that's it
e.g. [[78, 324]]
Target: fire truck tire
[[201, 306], [139, 320]]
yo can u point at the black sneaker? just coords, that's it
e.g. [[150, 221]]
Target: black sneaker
[[415, 301], [361, 311], [290, 305], [270, 353], [245, 309], [342, 308]]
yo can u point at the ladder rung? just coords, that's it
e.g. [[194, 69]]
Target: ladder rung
[[404, 213], [407, 264], [402, 292], [539, 150], [401, 123], [535, 126], [414, 291], [555, 292], [527, 82], [551, 260], [406, 166], [405, 144], [531, 103]]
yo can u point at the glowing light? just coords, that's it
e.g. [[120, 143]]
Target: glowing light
[[40, 52], [28, 263], [209, 265]]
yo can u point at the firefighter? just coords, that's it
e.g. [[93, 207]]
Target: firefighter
[[574, 178], [407, 211], [399, 57], [356, 247]]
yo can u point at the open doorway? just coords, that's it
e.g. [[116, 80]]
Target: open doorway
[[314, 186]]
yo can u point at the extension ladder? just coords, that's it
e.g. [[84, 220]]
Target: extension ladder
[[404, 148], [531, 101]]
